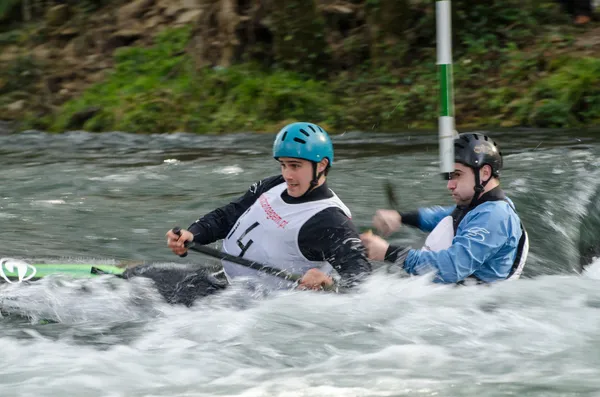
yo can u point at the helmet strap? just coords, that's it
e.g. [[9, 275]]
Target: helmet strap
[[479, 186], [315, 181]]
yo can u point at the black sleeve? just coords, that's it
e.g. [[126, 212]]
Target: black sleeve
[[216, 224], [331, 236], [410, 218], [396, 253]]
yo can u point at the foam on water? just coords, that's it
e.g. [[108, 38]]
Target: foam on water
[[395, 336]]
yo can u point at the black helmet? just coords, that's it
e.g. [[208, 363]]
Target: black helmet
[[476, 150]]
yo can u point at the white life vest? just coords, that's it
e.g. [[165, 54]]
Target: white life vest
[[441, 236], [268, 233]]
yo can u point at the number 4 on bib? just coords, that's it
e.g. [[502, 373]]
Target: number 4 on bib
[[240, 243]]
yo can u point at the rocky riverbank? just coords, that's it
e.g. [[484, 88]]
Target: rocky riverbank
[[212, 66]]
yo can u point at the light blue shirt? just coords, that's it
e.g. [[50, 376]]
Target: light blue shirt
[[485, 244]]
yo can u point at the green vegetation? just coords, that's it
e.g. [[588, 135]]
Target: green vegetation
[[156, 89], [516, 64]]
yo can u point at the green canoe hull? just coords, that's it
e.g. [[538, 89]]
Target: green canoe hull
[[36, 271]]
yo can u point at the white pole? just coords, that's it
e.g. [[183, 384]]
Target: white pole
[[446, 126]]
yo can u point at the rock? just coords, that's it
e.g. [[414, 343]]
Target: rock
[[152, 12], [71, 86], [67, 32], [129, 34], [93, 58], [161, 5], [57, 15], [16, 106], [9, 54], [173, 10], [191, 4], [133, 10], [95, 62], [338, 9], [123, 38], [188, 17], [42, 52], [153, 22], [93, 78], [78, 47]]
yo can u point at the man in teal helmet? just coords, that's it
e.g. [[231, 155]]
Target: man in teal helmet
[[291, 221], [481, 238]]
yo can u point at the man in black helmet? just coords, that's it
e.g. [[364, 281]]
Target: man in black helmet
[[480, 238]]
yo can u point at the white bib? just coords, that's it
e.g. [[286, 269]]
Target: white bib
[[441, 236], [268, 233]]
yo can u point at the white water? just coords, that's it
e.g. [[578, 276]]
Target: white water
[[115, 195], [395, 337]]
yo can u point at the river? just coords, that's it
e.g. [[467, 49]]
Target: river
[[103, 198]]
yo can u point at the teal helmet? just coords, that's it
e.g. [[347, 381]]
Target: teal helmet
[[303, 141]]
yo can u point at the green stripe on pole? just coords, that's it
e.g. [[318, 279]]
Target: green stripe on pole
[[446, 100]]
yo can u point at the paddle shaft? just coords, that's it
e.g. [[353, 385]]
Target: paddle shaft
[[203, 249], [390, 194]]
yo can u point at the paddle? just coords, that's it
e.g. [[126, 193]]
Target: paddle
[[390, 194], [391, 199], [203, 249]]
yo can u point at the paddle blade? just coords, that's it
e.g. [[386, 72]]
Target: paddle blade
[[390, 195], [180, 284]]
